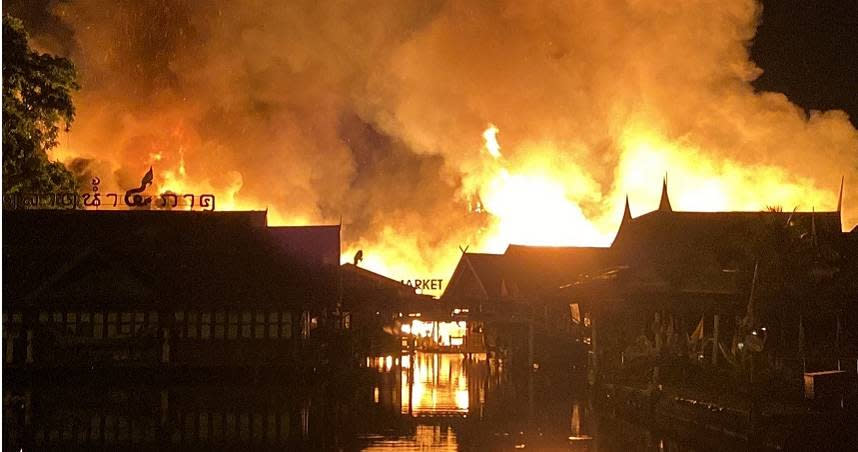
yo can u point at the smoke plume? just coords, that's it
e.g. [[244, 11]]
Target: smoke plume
[[373, 112]]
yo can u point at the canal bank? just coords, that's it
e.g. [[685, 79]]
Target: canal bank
[[693, 416]]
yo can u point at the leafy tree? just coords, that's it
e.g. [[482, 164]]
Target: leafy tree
[[36, 100]]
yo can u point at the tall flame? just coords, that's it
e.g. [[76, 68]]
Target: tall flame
[[535, 204], [275, 107], [540, 204], [491, 137]]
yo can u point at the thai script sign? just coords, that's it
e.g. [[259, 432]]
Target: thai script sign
[[133, 199]]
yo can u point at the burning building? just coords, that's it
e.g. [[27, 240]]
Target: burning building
[[587, 103], [782, 271], [782, 283]]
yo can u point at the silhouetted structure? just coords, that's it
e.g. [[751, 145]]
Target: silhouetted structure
[[153, 289], [507, 294], [665, 271], [780, 281], [374, 307]]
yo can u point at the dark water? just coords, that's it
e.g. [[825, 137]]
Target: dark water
[[423, 402]]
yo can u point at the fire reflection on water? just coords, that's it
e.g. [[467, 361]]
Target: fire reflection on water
[[437, 384], [426, 401], [448, 402], [443, 396], [426, 437]]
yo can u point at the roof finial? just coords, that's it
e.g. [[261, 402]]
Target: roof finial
[[664, 204], [627, 213], [840, 198], [813, 239]]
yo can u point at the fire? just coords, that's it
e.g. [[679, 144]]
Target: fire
[[533, 205], [537, 203], [492, 145], [536, 209], [532, 197], [697, 182], [470, 124]]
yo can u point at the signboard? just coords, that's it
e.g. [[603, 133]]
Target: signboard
[[132, 199], [424, 284]]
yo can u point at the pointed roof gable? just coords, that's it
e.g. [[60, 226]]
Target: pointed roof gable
[[522, 271], [627, 212], [840, 196], [664, 203], [354, 276]]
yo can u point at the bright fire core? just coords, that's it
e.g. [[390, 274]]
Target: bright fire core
[[533, 200], [534, 194], [464, 124]]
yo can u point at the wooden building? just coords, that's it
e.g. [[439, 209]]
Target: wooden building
[[161, 289], [374, 308], [714, 288], [511, 300], [788, 278]]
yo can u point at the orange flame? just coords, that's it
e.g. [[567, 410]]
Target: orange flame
[[534, 198]]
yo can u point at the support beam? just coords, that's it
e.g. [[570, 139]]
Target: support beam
[[715, 331]]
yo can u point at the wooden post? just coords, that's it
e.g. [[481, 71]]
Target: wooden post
[[837, 342], [801, 343], [410, 374], [530, 341], [715, 332], [29, 346], [165, 347], [594, 345]]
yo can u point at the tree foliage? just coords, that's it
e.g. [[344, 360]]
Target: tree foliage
[[37, 100]]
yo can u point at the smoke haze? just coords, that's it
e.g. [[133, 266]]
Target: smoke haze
[[373, 112]]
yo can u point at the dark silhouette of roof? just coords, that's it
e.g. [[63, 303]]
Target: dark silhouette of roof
[[318, 245], [522, 271], [698, 233], [711, 252], [701, 252], [357, 277], [664, 202], [158, 257]]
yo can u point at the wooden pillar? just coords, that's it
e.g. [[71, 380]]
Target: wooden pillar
[[7, 342], [530, 341], [837, 342], [801, 343], [594, 344], [165, 347], [165, 410], [29, 346], [410, 375], [715, 331]]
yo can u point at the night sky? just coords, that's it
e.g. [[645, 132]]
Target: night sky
[[808, 50]]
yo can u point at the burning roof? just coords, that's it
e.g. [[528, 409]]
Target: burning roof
[[579, 103]]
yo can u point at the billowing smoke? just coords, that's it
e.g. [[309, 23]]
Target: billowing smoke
[[373, 112]]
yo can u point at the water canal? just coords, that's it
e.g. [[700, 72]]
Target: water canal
[[424, 401]]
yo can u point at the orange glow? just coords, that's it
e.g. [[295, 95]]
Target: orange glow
[[699, 183], [472, 124], [538, 202], [440, 385], [492, 145], [533, 197], [442, 333]]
